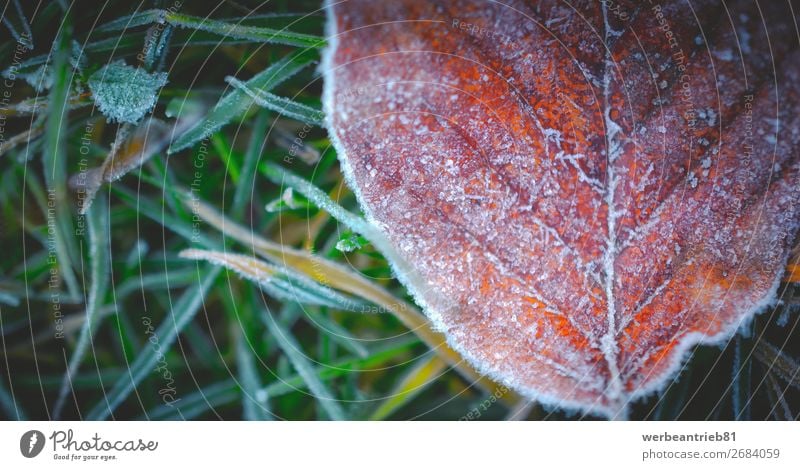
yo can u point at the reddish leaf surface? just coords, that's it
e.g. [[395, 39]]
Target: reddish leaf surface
[[577, 192]]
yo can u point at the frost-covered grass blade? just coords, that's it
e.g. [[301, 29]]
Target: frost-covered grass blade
[[234, 104], [221, 28]]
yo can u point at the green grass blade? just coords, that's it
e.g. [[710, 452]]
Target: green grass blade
[[244, 190], [236, 103], [778, 362], [278, 281], [227, 391], [279, 104], [173, 279], [340, 368], [240, 31], [228, 156], [10, 407], [180, 315], [283, 177], [340, 277], [421, 376], [224, 29], [196, 403], [287, 342], [253, 402], [99, 245], [131, 21], [55, 160], [741, 380], [777, 396], [174, 223], [24, 36], [336, 333]]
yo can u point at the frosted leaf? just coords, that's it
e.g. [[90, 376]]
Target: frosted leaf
[[559, 219], [124, 93], [41, 78]]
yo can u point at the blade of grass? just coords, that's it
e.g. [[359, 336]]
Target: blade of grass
[[778, 398], [180, 315], [99, 246], [156, 50], [244, 190], [335, 332], [128, 44], [343, 367], [282, 177], [239, 31], [196, 403], [256, 407], [10, 406], [236, 103], [283, 386], [134, 20], [26, 36], [291, 348], [279, 104], [218, 27], [54, 159], [132, 42], [156, 281], [153, 211], [277, 281], [224, 149], [421, 376], [778, 362], [741, 394], [284, 283], [340, 277]]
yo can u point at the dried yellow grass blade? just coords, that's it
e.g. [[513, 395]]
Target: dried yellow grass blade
[[339, 277]]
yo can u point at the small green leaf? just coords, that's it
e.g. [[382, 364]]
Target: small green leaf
[[125, 93]]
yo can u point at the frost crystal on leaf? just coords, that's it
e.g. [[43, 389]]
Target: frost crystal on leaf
[[125, 93], [571, 223]]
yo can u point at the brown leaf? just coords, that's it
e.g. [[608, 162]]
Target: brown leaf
[[585, 190]]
